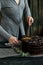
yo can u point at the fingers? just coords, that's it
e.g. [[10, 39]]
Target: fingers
[[13, 40], [30, 21]]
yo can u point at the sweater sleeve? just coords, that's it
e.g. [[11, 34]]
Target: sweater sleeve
[[27, 9], [0, 6], [2, 31]]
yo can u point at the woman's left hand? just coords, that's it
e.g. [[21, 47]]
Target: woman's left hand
[[30, 20]]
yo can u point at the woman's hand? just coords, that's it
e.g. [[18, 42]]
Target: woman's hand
[[30, 20], [13, 40]]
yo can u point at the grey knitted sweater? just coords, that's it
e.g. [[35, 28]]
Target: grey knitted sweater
[[12, 21]]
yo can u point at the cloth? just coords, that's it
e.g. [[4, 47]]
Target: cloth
[[11, 21]]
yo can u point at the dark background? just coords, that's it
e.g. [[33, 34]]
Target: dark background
[[36, 7]]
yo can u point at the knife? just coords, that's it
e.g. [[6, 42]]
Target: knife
[[29, 31]]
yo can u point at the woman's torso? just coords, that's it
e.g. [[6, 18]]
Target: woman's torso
[[12, 15]]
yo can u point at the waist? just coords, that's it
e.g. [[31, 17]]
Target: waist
[[13, 17]]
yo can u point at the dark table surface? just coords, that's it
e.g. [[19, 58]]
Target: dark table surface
[[22, 61], [7, 57]]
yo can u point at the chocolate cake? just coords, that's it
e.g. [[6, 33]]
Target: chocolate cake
[[33, 45]]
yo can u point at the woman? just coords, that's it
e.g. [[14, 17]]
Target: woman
[[11, 22]]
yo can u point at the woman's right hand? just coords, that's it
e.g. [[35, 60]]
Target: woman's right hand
[[13, 40]]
